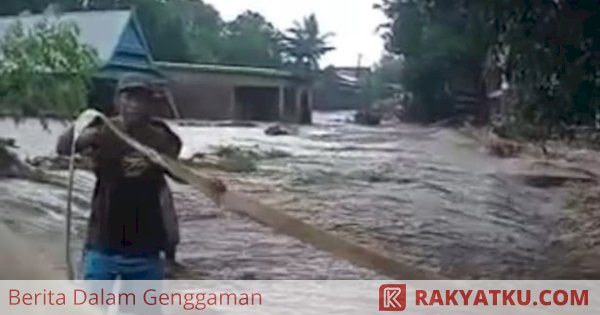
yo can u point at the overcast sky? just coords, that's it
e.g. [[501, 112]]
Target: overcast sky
[[353, 22]]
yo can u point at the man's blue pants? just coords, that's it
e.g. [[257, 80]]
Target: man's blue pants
[[102, 265]]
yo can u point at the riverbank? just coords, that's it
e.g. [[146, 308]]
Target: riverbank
[[571, 172]]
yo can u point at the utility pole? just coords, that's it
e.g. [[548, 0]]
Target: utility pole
[[358, 65]]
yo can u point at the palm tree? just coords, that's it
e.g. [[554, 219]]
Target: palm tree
[[304, 44]]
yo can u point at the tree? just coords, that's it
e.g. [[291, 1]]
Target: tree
[[45, 69], [384, 80], [444, 45], [551, 55], [177, 30], [202, 27], [304, 45], [163, 28], [548, 51], [252, 41], [13, 7]]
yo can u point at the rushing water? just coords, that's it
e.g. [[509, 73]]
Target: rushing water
[[421, 195]]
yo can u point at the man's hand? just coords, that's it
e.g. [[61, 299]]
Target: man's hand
[[87, 138], [165, 141]]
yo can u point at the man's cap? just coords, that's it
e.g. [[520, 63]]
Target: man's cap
[[135, 81]]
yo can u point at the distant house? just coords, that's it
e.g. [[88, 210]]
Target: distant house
[[352, 75], [339, 88], [117, 37], [238, 93]]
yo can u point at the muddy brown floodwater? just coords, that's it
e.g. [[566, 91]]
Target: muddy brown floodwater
[[425, 196]]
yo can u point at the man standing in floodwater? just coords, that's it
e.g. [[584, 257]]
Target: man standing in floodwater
[[126, 232]]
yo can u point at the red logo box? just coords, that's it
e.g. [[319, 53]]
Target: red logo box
[[392, 297]]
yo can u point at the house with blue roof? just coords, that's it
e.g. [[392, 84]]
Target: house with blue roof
[[195, 91]]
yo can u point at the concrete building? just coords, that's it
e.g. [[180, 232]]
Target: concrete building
[[238, 93]]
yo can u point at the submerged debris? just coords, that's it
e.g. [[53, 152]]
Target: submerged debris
[[12, 167], [8, 142], [226, 158], [233, 159], [503, 148], [495, 144], [230, 151], [275, 154], [277, 130], [254, 153], [551, 179], [368, 117]]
